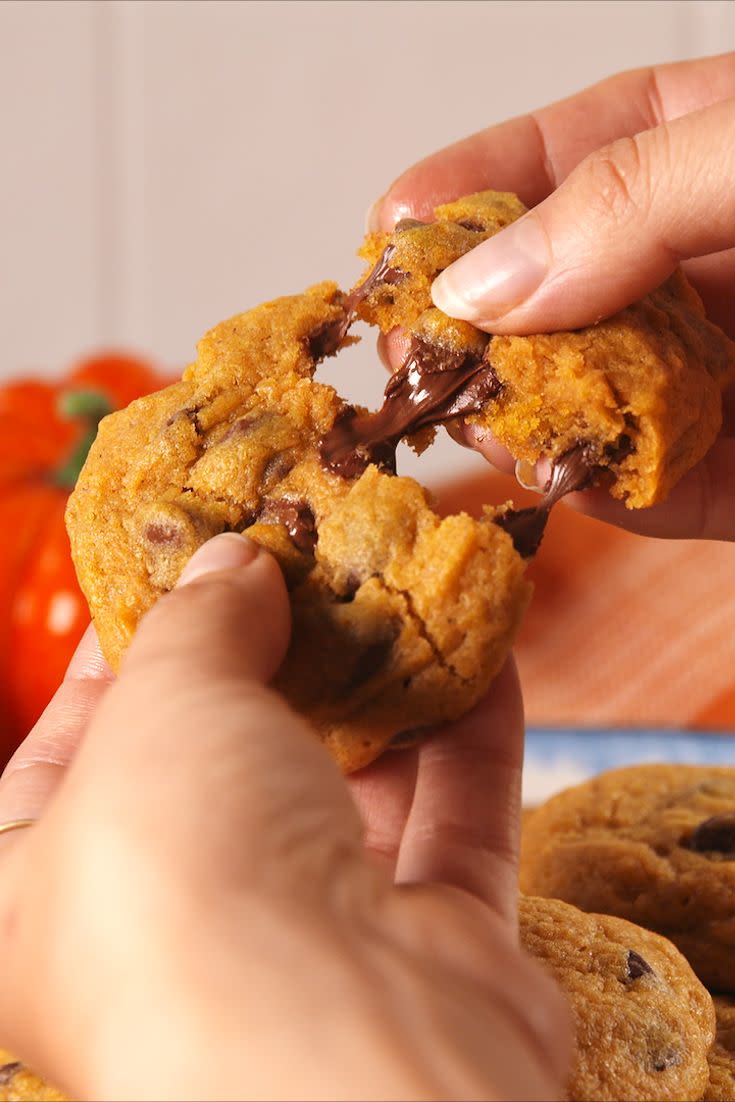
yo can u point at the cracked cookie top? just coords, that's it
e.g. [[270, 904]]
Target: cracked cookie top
[[643, 1023], [651, 843], [639, 392], [401, 619]]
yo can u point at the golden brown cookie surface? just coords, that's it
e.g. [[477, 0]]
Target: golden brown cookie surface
[[643, 1022], [721, 1059], [652, 843], [640, 392], [401, 620]]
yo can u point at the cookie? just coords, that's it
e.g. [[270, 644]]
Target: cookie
[[638, 394], [721, 1059], [19, 1084], [652, 843], [643, 1022], [401, 619]]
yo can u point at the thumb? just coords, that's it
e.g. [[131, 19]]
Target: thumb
[[195, 788], [614, 230], [191, 735], [228, 614]]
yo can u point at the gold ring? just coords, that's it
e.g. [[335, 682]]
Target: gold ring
[[16, 824]]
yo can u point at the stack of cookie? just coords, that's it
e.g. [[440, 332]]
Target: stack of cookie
[[629, 883]]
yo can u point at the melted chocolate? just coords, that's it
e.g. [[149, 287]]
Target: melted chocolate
[[277, 467], [159, 534], [296, 517], [244, 426], [327, 339], [434, 385], [526, 527]]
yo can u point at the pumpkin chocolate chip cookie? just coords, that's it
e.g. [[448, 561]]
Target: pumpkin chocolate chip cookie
[[401, 619], [652, 843], [643, 1023], [639, 394]]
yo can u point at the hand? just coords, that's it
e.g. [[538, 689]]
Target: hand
[[201, 912], [631, 177]]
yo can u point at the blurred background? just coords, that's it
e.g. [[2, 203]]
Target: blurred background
[[168, 163]]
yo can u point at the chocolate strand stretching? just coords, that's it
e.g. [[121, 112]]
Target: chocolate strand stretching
[[328, 340], [435, 384], [526, 527]]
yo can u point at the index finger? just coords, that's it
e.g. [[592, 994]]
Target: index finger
[[464, 824], [531, 155]]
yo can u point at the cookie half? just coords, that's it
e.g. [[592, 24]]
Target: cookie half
[[401, 619], [640, 393]]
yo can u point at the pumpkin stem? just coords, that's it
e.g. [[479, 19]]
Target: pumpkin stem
[[89, 407]]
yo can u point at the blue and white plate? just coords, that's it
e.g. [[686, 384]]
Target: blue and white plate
[[557, 758]]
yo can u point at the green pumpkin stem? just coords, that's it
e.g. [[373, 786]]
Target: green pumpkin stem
[[89, 407]]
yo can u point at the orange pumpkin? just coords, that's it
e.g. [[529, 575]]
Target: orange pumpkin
[[46, 429]]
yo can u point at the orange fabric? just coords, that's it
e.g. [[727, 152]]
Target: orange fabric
[[622, 630]]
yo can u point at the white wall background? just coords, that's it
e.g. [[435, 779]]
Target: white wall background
[[166, 163]]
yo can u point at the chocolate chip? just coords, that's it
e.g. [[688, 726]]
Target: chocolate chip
[[714, 835], [296, 517], [637, 966], [350, 588], [325, 341], [474, 226], [665, 1058], [244, 426], [277, 467], [191, 415], [408, 224], [159, 534], [7, 1071], [372, 659], [620, 450], [393, 276]]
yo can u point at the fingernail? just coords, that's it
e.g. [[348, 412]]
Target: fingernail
[[223, 552], [497, 275], [372, 218], [527, 475]]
